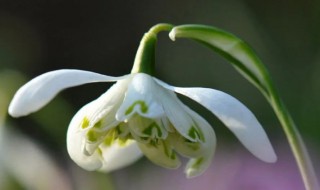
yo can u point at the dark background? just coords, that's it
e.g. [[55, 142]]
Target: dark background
[[37, 36]]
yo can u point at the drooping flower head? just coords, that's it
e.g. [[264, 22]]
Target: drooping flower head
[[141, 115]]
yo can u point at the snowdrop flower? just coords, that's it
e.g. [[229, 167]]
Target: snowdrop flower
[[141, 115]]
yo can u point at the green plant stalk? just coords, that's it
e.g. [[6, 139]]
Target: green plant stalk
[[295, 141], [145, 58]]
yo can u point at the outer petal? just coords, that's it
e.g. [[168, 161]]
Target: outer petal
[[40, 90], [118, 155], [76, 142], [237, 117]]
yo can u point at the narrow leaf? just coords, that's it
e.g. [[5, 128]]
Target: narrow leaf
[[236, 51]]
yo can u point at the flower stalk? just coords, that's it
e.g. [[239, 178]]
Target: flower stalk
[[145, 58]]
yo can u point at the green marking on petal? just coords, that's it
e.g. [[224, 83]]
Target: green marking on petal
[[147, 140], [194, 133], [154, 142], [166, 150], [158, 128], [113, 135], [187, 140], [173, 156], [185, 146], [197, 163], [123, 141], [110, 137], [92, 136], [108, 141], [164, 146], [99, 151], [85, 123], [119, 129], [148, 131], [98, 124], [143, 107], [191, 145]]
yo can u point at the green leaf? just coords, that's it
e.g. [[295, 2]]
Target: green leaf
[[236, 51], [245, 60]]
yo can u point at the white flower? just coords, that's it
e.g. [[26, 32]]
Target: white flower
[[141, 114]]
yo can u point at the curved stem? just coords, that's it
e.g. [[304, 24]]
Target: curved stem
[[295, 141], [145, 58]]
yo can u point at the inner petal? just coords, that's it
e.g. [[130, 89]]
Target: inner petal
[[141, 98], [145, 127], [119, 155], [92, 139], [96, 136], [184, 146], [75, 143], [179, 118], [160, 153], [201, 161]]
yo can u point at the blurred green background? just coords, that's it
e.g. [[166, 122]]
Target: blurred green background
[[37, 36]]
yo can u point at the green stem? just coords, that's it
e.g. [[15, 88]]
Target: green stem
[[145, 58], [295, 141]]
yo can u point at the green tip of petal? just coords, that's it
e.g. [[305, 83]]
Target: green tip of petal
[[195, 167]]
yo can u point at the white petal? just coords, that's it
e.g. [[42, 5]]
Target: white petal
[[40, 90], [141, 98], [118, 156], [237, 117], [101, 118], [197, 166], [76, 140], [145, 127]]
